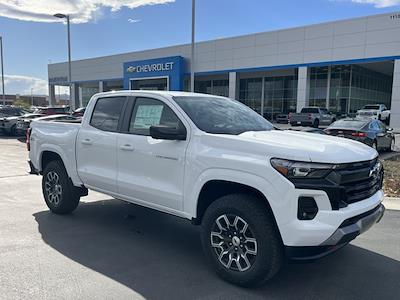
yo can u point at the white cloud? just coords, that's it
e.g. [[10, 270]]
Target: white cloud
[[133, 20], [19, 84], [378, 3], [81, 11]]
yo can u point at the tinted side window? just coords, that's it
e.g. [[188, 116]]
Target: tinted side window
[[107, 113], [148, 112]]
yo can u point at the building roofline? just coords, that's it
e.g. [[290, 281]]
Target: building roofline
[[228, 38]]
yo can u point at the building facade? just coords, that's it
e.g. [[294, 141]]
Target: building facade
[[341, 65]]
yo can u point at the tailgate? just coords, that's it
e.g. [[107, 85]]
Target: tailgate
[[299, 117]]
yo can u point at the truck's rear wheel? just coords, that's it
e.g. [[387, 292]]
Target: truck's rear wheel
[[59, 193], [241, 241]]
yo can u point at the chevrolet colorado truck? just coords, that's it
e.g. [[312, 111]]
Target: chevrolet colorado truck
[[261, 195]]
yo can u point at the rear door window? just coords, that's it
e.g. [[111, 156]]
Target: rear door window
[[107, 113]]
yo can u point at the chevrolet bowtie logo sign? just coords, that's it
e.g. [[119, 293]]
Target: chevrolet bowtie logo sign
[[150, 68], [375, 169]]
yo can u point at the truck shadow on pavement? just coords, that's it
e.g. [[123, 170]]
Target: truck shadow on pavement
[[160, 256]]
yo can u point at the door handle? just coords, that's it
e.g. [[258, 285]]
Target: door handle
[[87, 142], [127, 147]]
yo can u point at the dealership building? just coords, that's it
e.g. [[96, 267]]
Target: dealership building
[[342, 65]]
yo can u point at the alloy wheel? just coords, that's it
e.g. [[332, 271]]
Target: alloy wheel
[[53, 188], [233, 242]]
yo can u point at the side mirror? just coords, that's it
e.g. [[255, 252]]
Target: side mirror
[[162, 132]]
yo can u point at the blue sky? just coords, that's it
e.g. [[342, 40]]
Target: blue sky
[[32, 39]]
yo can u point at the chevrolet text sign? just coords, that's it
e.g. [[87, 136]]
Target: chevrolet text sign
[[151, 68], [172, 67]]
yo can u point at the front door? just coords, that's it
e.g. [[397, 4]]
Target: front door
[[151, 171]]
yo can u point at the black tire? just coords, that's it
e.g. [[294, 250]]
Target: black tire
[[293, 124], [61, 196], [316, 123], [269, 248], [387, 121], [13, 130]]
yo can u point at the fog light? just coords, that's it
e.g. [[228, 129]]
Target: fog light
[[307, 208]]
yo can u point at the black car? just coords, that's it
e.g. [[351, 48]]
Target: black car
[[282, 118], [9, 111], [371, 132]]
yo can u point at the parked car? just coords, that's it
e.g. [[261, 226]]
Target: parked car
[[261, 195], [9, 111], [370, 132], [9, 125], [282, 118], [78, 113], [52, 110], [23, 123], [312, 116], [375, 111]]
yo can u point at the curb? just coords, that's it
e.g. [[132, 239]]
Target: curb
[[391, 203]]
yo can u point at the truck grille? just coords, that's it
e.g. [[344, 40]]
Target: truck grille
[[360, 180]]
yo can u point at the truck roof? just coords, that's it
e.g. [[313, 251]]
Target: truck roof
[[162, 93]]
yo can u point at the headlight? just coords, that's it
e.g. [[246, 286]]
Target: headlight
[[296, 169]]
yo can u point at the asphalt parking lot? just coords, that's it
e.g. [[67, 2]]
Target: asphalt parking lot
[[114, 250]]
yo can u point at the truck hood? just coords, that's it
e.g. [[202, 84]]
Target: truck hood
[[304, 146]]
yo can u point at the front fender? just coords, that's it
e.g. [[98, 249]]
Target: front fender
[[261, 184]]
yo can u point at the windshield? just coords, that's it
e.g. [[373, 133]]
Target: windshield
[[309, 110], [371, 107], [221, 115], [348, 124]]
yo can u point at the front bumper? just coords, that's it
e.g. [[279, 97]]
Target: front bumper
[[347, 231]]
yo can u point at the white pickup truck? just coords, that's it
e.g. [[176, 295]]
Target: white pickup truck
[[261, 195], [375, 111]]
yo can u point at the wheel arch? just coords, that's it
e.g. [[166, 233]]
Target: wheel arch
[[48, 156]]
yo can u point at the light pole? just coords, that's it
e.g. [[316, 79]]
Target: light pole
[[192, 52], [2, 69], [62, 16], [32, 96]]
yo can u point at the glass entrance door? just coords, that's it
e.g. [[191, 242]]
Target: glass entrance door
[[153, 84]]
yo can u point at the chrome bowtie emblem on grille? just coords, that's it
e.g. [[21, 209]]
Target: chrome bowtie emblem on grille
[[375, 169]]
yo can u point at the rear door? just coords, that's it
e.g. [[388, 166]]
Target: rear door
[[96, 144], [150, 170]]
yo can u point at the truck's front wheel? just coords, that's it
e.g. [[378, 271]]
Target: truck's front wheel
[[240, 240], [59, 193]]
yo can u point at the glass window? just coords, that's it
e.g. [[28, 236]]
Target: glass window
[[374, 126], [148, 112], [309, 110], [107, 112], [219, 115]]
